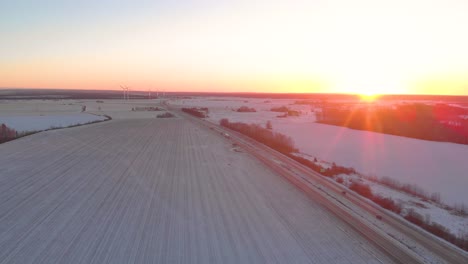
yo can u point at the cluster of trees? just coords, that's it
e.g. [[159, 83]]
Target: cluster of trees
[[274, 140], [409, 189], [147, 108], [417, 191], [429, 122], [327, 172], [283, 144], [283, 109], [441, 231], [245, 109], [294, 113], [361, 189], [287, 112], [384, 202], [308, 102], [7, 134], [415, 218], [460, 209], [198, 112], [387, 203], [290, 113], [336, 170], [312, 165], [165, 115]]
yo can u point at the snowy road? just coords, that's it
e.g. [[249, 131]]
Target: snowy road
[[158, 191]]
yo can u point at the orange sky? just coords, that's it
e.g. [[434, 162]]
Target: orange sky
[[361, 46]]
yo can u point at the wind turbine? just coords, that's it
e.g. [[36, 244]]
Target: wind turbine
[[125, 91]]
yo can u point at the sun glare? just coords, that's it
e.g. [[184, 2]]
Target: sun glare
[[368, 97]]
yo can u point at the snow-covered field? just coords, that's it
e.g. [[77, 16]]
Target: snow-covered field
[[148, 190], [38, 115], [24, 123], [434, 166]]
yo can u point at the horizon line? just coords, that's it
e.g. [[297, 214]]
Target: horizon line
[[223, 92]]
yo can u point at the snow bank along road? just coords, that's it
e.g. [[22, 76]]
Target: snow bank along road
[[159, 191]]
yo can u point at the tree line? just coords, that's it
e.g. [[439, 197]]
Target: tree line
[[437, 122]]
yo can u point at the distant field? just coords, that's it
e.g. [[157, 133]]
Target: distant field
[[434, 166], [158, 191]]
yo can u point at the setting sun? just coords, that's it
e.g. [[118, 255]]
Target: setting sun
[[368, 97]]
